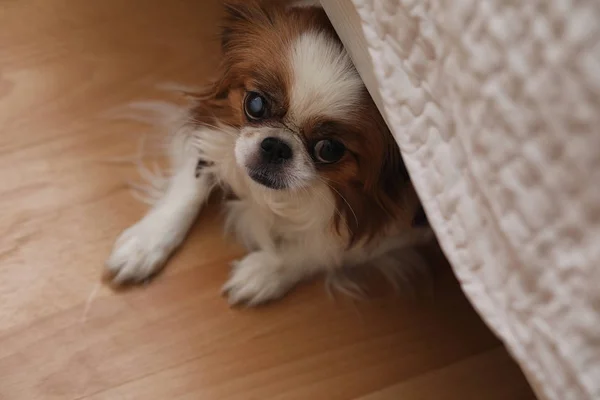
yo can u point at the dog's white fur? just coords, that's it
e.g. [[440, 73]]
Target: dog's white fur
[[323, 83], [289, 232]]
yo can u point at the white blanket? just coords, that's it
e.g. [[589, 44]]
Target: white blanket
[[496, 107]]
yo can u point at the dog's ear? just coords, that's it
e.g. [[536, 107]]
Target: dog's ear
[[242, 17], [242, 29], [242, 32], [236, 25]]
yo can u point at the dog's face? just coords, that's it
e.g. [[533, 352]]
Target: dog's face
[[304, 115], [300, 114]]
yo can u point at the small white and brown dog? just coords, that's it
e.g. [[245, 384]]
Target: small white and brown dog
[[291, 132]]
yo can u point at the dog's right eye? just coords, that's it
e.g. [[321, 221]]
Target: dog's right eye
[[255, 106]]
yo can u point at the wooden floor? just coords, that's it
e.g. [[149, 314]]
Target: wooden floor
[[64, 64]]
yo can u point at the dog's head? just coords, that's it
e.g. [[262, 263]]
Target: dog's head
[[305, 117]]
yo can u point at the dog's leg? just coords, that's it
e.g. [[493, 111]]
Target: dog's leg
[[142, 250], [264, 275]]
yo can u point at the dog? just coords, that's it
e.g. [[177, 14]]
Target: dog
[[315, 179]]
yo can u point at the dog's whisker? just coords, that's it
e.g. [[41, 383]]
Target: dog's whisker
[[333, 206], [343, 198]]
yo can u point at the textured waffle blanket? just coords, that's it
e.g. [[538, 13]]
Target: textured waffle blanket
[[496, 107]]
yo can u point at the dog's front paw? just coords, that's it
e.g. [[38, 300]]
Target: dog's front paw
[[139, 253], [257, 278]]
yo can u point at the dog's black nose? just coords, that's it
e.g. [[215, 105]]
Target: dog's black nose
[[275, 151]]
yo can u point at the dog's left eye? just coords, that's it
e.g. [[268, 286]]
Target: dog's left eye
[[255, 106], [328, 151]]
